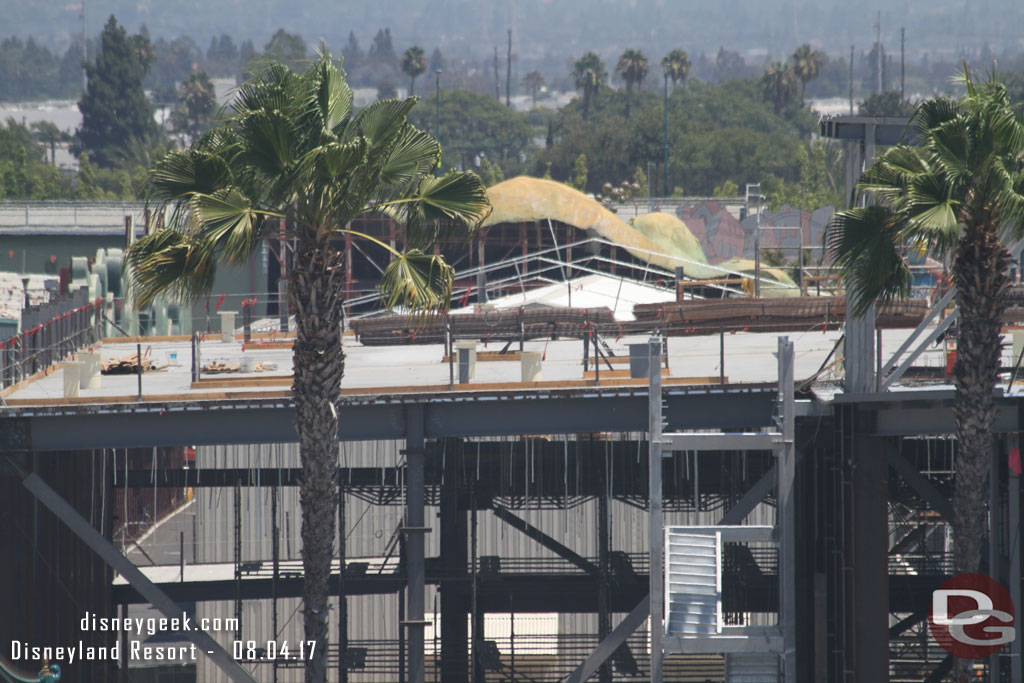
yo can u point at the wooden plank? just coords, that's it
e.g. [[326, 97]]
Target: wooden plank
[[268, 336], [616, 374], [490, 356]]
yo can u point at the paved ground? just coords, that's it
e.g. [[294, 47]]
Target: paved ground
[[749, 357]]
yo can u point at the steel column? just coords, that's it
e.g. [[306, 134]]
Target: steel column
[[415, 522], [786, 468], [656, 531], [454, 558], [603, 616], [870, 599], [1013, 522]]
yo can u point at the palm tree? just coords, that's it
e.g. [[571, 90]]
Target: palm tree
[[414, 64], [806, 65], [200, 100], [534, 81], [589, 75], [632, 67], [960, 192], [779, 84], [294, 153], [676, 64]]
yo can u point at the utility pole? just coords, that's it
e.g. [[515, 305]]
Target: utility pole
[[664, 172], [851, 80], [85, 54], [903, 62], [878, 53], [508, 72], [497, 84]]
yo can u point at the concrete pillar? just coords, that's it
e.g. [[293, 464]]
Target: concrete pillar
[[89, 377], [72, 373], [531, 366], [227, 326]]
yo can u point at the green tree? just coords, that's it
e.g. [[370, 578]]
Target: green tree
[[287, 48], [728, 190], [534, 81], [640, 182], [490, 173], [293, 149], [476, 125], [676, 64], [888, 103], [959, 192], [589, 75], [806, 65], [632, 68], [779, 82], [117, 119], [414, 64], [198, 101], [579, 173]]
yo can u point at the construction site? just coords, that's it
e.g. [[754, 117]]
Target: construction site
[[613, 459]]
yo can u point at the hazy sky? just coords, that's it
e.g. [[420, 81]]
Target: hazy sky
[[550, 27]]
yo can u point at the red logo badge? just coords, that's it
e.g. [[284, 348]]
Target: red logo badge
[[972, 616]]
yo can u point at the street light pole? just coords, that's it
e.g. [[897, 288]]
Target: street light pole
[[437, 116], [664, 173]]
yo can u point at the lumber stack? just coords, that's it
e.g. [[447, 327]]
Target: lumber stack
[[127, 365], [766, 315], [492, 325]]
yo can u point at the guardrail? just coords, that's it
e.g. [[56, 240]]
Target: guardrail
[[50, 333]]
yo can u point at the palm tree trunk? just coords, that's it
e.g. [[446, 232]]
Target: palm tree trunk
[[629, 96], [981, 280], [412, 86], [319, 363], [586, 102]]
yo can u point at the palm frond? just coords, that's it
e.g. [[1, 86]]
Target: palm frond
[[269, 138], [179, 174], [228, 221], [421, 283], [383, 121], [169, 262], [863, 244], [414, 155]]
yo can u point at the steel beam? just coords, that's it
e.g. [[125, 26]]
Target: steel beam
[[920, 483], [745, 505], [122, 565], [607, 647], [719, 441], [566, 553], [936, 308], [930, 339], [197, 423]]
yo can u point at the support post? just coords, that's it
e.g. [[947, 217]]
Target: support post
[[342, 595], [870, 595], [414, 543], [786, 468], [655, 530], [603, 615], [1013, 522], [454, 558]]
